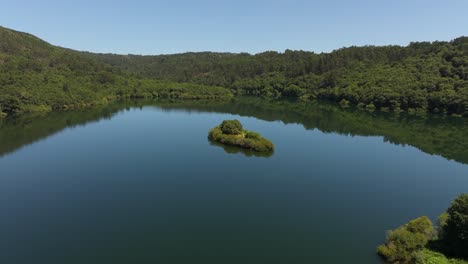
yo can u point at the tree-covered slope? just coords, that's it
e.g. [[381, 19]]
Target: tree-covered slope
[[424, 76], [36, 76]]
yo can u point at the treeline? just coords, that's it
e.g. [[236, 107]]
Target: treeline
[[423, 77], [36, 76]]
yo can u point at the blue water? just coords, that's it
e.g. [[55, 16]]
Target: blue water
[[146, 186]]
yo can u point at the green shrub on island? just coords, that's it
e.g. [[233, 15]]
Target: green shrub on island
[[231, 127], [417, 241], [231, 132]]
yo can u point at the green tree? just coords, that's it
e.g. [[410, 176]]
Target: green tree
[[402, 243], [231, 127], [456, 229], [10, 104], [293, 90]]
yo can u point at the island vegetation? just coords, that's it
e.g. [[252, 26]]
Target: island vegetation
[[419, 242], [422, 77], [232, 133]]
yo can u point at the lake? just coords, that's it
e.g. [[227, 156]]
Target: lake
[[139, 182]]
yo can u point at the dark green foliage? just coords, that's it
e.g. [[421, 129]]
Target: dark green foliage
[[344, 103], [422, 77], [421, 225], [10, 104], [228, 133], [426, 256], [231, 127], [36, 76], [252, 135], [293, 90], [455, 230], [409, 243], [441, 224], [403, 242]]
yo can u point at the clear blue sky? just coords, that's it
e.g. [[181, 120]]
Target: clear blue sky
[[174, 26]]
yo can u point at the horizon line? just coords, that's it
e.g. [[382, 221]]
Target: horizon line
[[233, 52]]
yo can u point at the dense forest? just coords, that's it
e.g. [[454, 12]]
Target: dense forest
[[36, 76], [422, 77]]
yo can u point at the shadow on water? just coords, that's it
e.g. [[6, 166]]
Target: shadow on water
[[238, 150], [433, 134]]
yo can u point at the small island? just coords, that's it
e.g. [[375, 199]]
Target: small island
[[231, 132]]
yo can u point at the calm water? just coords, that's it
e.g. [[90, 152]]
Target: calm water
[[140, 183]]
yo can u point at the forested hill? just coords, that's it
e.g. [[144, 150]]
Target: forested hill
[[424, 76], [36, 76]]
